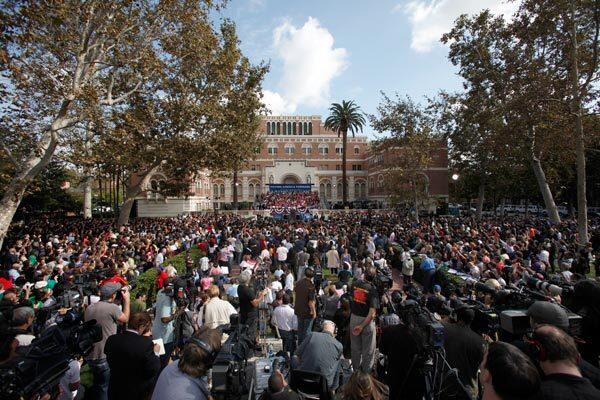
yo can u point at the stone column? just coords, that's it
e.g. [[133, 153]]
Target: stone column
[[351, 194]]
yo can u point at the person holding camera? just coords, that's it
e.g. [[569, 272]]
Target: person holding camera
[[133, 360], [165, 313], [363, 306], [249, 303], [185, 379], [107, 315]]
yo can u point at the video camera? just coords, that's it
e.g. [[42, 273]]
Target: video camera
[[40, 369]]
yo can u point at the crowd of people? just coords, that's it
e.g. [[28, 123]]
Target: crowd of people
[[325, 301], [293, 200]]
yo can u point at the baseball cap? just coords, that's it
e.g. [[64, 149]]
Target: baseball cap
[[437, 288], [544, 312], [109, 289]]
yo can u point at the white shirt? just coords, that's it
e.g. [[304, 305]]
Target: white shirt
[[160, 258], [284, 318], [204, 263], [289, 282], [215, 313], [278, 272], [282, 253], [70, 377]]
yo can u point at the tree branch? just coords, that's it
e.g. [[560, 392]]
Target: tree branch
[[10, 155], [109, 101]]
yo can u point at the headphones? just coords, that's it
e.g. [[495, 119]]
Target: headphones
[[538, 351], [212, 354]]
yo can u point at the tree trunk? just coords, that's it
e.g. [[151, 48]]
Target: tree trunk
[[480, 200], [235, 190], [344, 186], [416, 196], [133, 190], [30, 168], [87, 195], [540, 177], [88, 179], [582, 223]]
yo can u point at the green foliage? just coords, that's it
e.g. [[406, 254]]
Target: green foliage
[[146, 282], [46, 194]]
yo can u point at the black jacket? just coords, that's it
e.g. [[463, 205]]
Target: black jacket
[[133, 366]]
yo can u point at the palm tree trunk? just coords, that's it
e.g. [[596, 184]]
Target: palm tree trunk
[[344, 186]]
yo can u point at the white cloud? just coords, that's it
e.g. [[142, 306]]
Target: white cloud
[[430, 19], [276, 104], [310, 62]]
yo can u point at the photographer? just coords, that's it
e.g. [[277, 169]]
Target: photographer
[[249, 303], [364, 305], [278, 389], [184, 379], [133, 360], [166, 312], [107, 315], [321, 353], [464, 351], [507, 373], [559, 359]]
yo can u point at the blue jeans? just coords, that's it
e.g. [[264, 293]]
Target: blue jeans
[[304, 328], [101, 373]]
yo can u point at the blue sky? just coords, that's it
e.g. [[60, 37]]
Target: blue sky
[[323, 51]]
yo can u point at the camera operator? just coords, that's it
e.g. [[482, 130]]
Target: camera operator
[[165, 313], [507, 373], [184, 379], [546, 313], [364, 305], [320, 352], [464, 351], [305, 303], [559, 359], [249, 302], [107, 314], [278, 389], [133, 360], [21, 323]]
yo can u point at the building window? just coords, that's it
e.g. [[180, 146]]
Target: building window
[[306, 149], [339, 149], [289, 128], [310, 128], [338, 167], [279, 128], [294, 128], [272, 150], [356, 150], [284, 128], [323, 149], [268, 128], [305, 128], [253, 167], [356, 167], [289, 149]]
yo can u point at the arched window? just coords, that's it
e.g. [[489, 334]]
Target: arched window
[[322, 189], [289, 128], [356, 150], [306, 149], [323, 149], [294, 128], [268, 128], [279, 128], [339, 148], [289, 149], [272, 149], [284, 128], [215, 190], [310, 128], [305, 128], [307, 178], [271, 179], [273, 128], [340, 190], [328, 190]]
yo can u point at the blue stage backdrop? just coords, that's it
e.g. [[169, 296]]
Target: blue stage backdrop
[[290, 187]]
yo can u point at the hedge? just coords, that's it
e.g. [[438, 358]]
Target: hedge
[[146, 282]]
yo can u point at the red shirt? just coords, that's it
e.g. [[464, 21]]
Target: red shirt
[[6, 284], [160, 279]]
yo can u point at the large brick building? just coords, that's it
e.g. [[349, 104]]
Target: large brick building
[[298, 149]]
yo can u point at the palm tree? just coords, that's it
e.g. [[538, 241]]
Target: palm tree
[[343, 118]]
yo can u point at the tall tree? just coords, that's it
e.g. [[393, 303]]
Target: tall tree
[[342, 118], [407, 148], [61, 62]]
